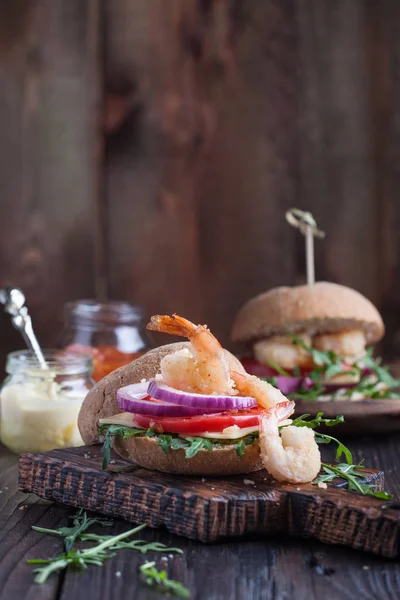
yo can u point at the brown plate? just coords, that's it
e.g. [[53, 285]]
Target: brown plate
[[361, 416]]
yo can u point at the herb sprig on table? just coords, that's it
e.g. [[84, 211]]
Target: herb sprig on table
[[81, 522], [106, 546], [160, 582]]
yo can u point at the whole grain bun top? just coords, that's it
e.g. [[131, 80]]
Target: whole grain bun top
[[101, 401], [320, 308]]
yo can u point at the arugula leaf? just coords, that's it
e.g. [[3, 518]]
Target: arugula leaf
[[80, 559], [296, 372], [191, 445], [110, 431], [347, 471], [318, 420], [320, 357], [322, 438], [70, 534], [382, 373], [337, 369], [140, 545], [197, 444], [106, 546], [351, 474], [278, 369], [248, 440], [159, 580]]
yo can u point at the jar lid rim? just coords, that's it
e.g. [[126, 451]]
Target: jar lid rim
[[61, 362], [94, 309]]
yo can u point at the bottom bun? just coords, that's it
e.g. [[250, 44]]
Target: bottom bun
[[222, 460]]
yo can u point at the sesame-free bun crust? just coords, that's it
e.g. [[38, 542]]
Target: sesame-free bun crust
[[101, 401], [320, 308], [222, 460]]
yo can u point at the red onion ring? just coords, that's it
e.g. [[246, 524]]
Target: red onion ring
[[129, 400], [214, 403]]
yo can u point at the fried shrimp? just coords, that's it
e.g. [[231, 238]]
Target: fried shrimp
[[204, 371], [250, 385], [292, 456], [346, 343], [281, 350]]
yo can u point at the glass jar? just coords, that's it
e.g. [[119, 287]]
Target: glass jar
[[39, 406], [113, 333]]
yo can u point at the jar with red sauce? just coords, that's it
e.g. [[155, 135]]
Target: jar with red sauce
[[113, 333]]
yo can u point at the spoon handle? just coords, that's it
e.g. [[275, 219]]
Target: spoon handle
[[14, 304], [23, 323]]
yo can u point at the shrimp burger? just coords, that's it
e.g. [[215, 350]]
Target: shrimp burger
[[314, 342], [188, 408]]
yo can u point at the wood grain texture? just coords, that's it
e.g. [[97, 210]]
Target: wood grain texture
[[337, 182], [149, 150], [215, 508], [235, 113], [239, 570], [47, 162]]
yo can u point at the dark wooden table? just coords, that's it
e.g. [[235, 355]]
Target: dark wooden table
[[248, 570]]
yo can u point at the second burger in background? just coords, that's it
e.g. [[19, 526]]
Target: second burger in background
[[314, 342]]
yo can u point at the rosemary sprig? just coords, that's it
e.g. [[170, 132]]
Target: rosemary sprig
[[159, 581]]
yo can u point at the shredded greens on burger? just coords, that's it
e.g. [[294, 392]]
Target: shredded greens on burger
[[372, 380], [351, 474], [169, 441]]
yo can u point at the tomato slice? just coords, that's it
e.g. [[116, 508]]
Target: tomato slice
[[189, 425]]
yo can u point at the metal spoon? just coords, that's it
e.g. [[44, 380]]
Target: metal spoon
[[14, 304]]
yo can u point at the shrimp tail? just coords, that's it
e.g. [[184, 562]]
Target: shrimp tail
[[283, 410], [174, 325], [272, 417], [238, 378]]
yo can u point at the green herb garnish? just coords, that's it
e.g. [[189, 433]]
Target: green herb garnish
[[305, 421], [352, 475], [320, 357], [329, 364], [159, 581], [70, 534], [167, 441], [278, 369], [347, 471], [248, 440], [110, 431], [105, 548], [80, 559]]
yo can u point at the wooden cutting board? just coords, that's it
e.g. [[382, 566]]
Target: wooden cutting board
[[208, 509]]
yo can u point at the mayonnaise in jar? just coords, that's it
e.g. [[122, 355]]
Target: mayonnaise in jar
[[39, 406]]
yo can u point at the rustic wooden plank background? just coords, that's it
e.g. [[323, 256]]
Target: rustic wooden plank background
[[148, 151]]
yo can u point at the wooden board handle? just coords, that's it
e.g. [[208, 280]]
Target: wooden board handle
[[361, 522], [209, 509]]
